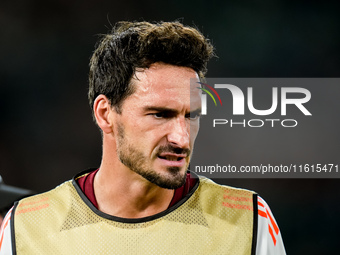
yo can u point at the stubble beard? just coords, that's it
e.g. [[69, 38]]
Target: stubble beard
[[135, 160]]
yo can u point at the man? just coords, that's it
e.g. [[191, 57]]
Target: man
[[142, 199]]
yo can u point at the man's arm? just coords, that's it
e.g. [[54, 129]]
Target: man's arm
[[269, 240], [5, 235]]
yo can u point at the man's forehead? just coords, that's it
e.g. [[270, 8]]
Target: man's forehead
[[164, 76]]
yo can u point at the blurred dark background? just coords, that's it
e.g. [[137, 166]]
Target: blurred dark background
[[47, 133]]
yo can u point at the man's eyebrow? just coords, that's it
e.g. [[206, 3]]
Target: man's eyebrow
[[166, 109], [158, 109]]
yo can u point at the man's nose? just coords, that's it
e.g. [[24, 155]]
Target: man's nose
[[179, 133]]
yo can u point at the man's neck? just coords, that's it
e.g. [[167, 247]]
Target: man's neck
[[126, 194]]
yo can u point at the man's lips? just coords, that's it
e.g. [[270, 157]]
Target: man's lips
[[173, 159], [172, 156]]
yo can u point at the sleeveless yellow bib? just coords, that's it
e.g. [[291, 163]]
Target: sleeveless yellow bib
[[212, 219]]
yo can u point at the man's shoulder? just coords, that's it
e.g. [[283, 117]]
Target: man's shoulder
[[44, 200], [210, 184], [226, 197]]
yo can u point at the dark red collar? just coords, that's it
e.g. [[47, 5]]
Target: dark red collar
[[86, 185]]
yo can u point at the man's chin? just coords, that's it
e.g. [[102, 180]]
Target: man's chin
[[174, 178]]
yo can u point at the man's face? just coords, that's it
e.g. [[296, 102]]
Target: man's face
[[158, 125]]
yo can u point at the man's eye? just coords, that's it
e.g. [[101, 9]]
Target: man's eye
[[193, 116], [164, 114], [159, 114]]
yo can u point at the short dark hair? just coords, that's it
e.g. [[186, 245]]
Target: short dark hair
[[133, 45]]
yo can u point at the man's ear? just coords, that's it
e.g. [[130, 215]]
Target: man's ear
[[103, 113]]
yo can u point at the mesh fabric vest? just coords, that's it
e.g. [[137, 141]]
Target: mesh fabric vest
[[211, 219]]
